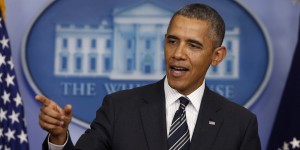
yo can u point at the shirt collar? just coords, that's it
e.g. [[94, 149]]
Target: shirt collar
[[172, 95]]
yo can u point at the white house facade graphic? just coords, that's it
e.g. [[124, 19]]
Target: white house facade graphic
[[128, 48]]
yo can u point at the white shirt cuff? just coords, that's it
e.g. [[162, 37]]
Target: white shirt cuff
[[52, 146]]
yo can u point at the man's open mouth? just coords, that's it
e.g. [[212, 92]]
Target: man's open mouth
[[178, 68]]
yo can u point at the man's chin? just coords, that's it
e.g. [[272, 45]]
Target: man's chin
[[177, 85]]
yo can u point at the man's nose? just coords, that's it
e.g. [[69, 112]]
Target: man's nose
[[179, 52]]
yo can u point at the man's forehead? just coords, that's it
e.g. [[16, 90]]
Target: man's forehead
[[191, 18], [187, 21], [183, 24]]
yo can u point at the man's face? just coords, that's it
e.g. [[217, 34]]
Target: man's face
[[188, 53]]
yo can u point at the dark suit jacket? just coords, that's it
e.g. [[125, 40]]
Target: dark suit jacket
[[136, 120]]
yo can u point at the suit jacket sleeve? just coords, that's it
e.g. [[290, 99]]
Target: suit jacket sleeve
[[99, 135], [251, 139]]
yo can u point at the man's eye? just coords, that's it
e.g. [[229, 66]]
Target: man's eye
[[172, 41], [192, 45]]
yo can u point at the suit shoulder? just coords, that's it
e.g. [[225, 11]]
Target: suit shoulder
[[238, 109], [232, 107], [137, 94], [135, 91]]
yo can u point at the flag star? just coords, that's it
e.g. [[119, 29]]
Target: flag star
[[23, 137], [18, 100], [2, 115], [5, 97], [2, 60], [1, 77], [4, 42], [10, 134], [295, 143], [285, 146], [10, 80], [14, 117], [7, 148], [10, 62]]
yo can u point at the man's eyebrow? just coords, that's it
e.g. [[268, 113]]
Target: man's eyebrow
[[194, 41], [171, 37]]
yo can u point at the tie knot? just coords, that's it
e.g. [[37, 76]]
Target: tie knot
[[183, 102]]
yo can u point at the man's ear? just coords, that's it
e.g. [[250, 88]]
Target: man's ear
[[218, 55]]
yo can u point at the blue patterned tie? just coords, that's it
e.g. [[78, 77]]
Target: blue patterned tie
[[179, 136]]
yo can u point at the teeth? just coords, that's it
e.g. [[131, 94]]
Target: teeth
[[179, 69]]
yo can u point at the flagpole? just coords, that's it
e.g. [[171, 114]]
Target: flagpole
[[3, 9]]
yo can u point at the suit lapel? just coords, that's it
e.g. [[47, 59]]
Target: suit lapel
[[208, 122], [153, 116]]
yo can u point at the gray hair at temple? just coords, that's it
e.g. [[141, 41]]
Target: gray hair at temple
[[206, 13]]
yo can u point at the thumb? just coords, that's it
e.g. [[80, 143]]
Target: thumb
[[67, 115], [68, 110]]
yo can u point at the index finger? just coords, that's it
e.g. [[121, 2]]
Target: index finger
[[44, 100]]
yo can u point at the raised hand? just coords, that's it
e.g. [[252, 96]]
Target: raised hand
[[54, 119]]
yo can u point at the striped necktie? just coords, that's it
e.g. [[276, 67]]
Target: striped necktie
[[179, 136]]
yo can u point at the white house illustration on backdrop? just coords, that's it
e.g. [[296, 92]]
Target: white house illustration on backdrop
[[128, 48]]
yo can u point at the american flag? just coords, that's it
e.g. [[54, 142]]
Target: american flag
[[13, 134]]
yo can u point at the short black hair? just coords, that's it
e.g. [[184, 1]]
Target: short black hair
[[206, 13]]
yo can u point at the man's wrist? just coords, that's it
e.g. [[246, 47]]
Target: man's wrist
[[52, 146], [58, 140]]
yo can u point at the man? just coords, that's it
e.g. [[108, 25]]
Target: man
[[142, 118]]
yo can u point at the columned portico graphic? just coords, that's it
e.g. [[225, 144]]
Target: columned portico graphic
[[138, 34]]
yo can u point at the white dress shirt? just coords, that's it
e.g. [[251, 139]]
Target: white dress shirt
[[172, 105], [192, 109]]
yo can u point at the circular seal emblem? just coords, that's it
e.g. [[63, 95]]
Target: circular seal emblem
[[78, 51]]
